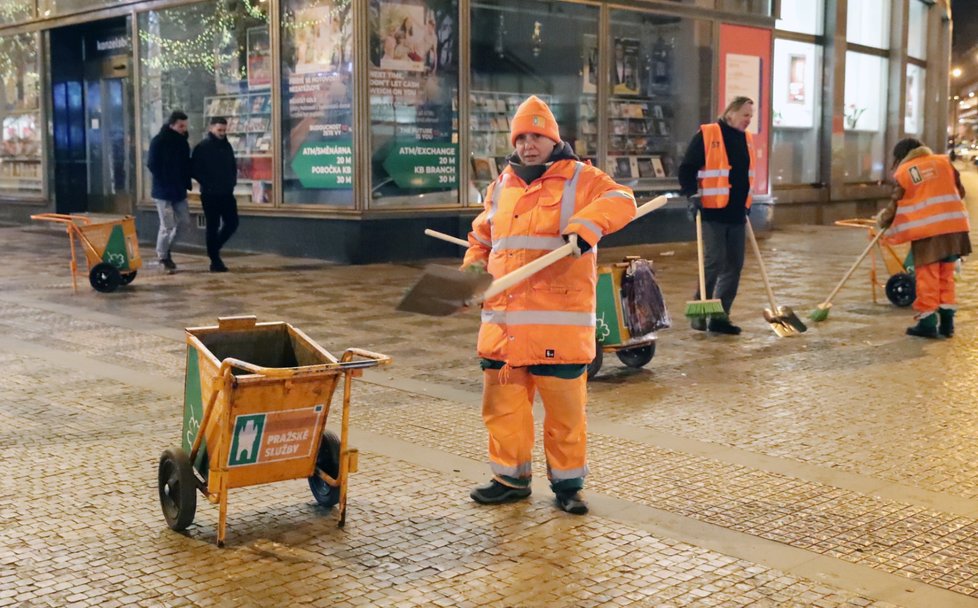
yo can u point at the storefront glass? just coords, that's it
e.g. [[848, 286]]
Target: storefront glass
[[212, 59], [914, 115], [796, 101], [15, 11], [20, 113], [413, 49], [547, 49], [661, 92], [754, 7], [317, 102], [869, 23], [917, 29], [864, 115], [802, 16]]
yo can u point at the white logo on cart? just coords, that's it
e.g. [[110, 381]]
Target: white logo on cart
[[246, 441], [602, 329], [116, 259]]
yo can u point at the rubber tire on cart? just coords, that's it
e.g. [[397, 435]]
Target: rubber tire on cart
[[105, 278], [178, 489], [901, 289], [328, 460], [595, 365], [129, 278], [637, 357]]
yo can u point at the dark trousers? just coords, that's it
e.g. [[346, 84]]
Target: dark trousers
[[221, 212], [723, 246]]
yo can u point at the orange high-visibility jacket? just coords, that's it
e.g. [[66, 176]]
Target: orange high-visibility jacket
[[931, 204], [550, 317], [715, 175]]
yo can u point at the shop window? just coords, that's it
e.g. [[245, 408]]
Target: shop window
[[802, 16], [20, 113], [15, 11], [863, 116], [869, 23], [52, 8], [913, 118], [317, 102], [753, 7], [549, 50], [413, 51], [212, 59], [917, 29], [796, 103], [661, 91]]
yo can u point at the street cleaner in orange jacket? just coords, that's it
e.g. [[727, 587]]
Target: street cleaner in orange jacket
[[927, 211], [539, 335]]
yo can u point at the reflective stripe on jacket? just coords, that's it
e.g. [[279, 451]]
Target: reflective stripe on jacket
[[715, 175], [549, 318], [931, 205]]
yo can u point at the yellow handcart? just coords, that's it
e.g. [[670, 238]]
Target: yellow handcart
[[111, 249], [901, 287], [257, 397]]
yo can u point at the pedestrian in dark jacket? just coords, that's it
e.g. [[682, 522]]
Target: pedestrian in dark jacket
[[716, 175], [215, 169], [169, 162]]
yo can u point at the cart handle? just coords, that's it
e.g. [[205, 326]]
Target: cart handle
[[367, 359], [858, 222], [63, 218]]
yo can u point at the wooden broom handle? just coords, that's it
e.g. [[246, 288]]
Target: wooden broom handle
[[855, 265], [699, 253], [760, 264], [446, 237]]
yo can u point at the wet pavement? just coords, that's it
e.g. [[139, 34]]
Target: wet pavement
[[836, 468]]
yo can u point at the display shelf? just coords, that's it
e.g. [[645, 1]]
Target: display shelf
[[489, 125], [250, 135]]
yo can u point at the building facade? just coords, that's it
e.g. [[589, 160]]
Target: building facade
[[358, 123]]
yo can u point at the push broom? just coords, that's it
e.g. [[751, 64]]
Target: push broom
[[821, 312], [702, 308]]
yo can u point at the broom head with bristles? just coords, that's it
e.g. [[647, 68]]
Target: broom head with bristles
[[820, 313], [700, 309]]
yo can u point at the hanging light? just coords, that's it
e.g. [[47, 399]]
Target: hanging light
[[536, 38]]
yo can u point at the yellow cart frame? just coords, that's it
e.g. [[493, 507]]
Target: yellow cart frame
[[893, 258], [287, 402]]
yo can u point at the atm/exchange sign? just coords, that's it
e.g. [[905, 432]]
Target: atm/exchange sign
[[273, 436]]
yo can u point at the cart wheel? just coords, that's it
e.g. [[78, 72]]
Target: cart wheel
[[637, 357], [105, 277], [328, 460], [901, 290], [178, 489], [595, 365], [129, 278]]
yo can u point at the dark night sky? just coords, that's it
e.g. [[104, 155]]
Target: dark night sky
[[965, 15]]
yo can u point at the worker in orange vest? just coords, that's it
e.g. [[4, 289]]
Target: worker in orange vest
[[716, 175], [927, 210], [539, 335]]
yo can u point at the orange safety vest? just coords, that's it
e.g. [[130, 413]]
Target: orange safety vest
[[715, 175], [550, 317], [931, 204]]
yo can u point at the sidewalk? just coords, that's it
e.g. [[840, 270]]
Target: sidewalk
[[831, 469]]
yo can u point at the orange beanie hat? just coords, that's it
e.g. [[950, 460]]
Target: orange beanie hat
[[534, 116]]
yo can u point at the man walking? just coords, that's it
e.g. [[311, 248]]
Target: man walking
[[215, 169], [169, 162]]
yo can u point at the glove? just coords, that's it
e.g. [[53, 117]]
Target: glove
[[693, 206], [477, 267], [883, 219], [580, 245]]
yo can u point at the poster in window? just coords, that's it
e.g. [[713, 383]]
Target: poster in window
[[625, 67], [743, 79], [322, 40], [796, 79], [259, 58], [409, 40], [590, 72]]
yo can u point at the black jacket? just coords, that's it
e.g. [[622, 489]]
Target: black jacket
[[213, 166], [169, 162], [735, 142]]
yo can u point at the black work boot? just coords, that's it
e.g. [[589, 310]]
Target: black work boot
[[697, 323], [926, 327], [572, 502], [494, 493], [947, 322], [723, 326]]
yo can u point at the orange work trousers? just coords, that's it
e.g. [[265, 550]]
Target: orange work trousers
[[507, 410], [935, 287]]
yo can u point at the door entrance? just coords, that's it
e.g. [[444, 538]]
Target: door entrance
[[93, 117]]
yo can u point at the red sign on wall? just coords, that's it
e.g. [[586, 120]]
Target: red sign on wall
[[745, 69]]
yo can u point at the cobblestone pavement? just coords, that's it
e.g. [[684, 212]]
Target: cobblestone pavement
[[831, 469]]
